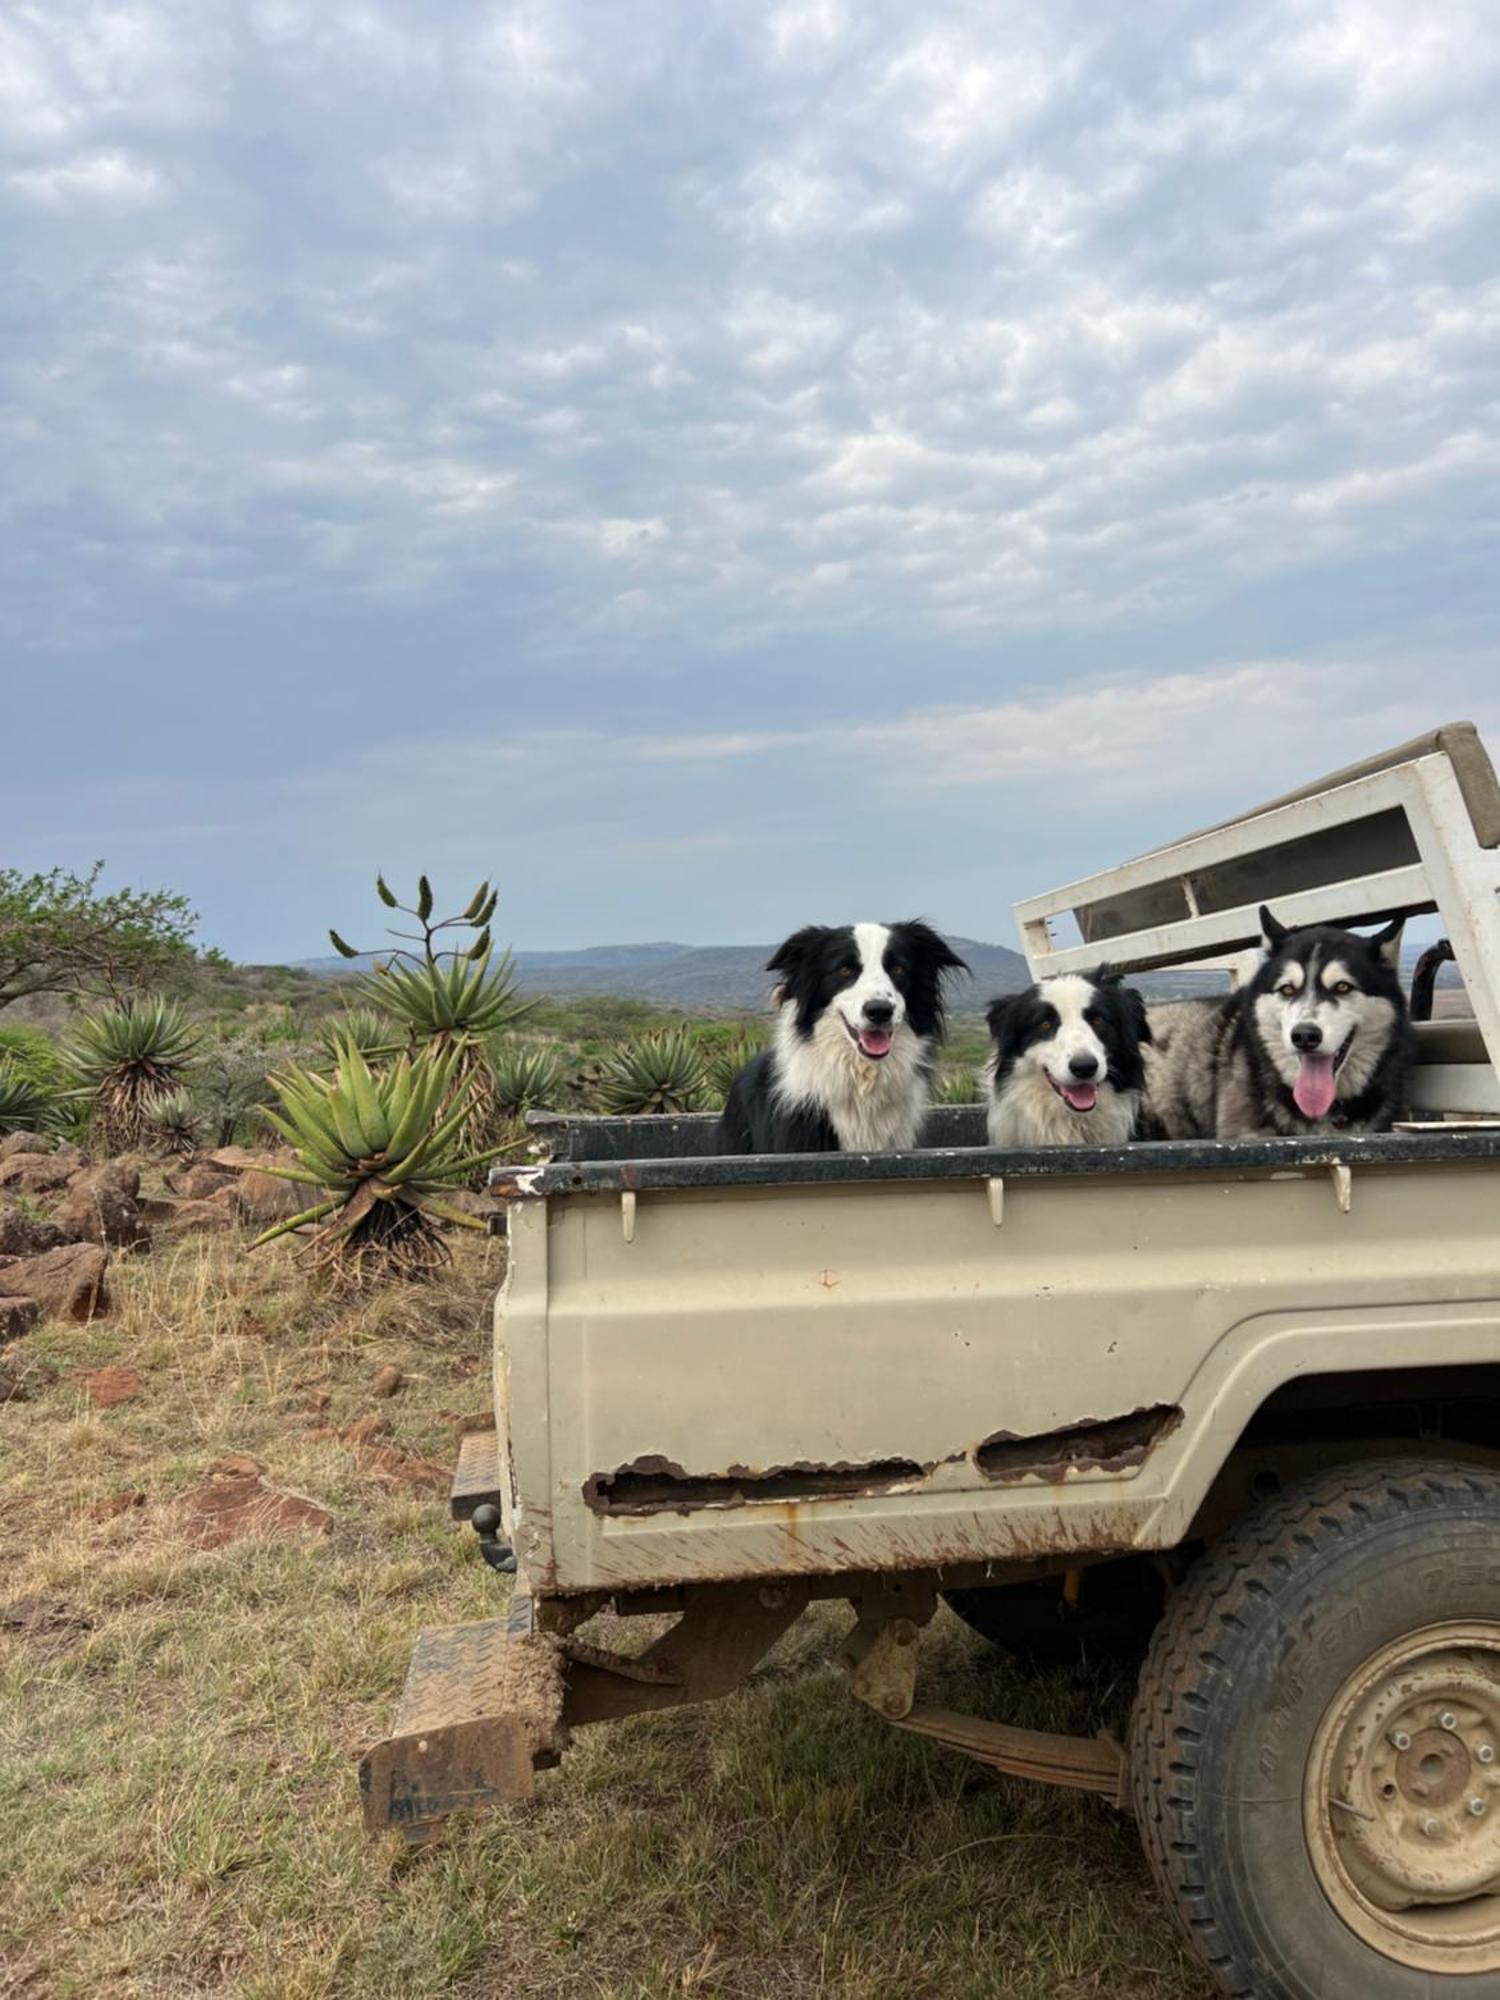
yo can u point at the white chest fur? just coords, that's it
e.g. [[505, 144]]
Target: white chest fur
[[1031, 1113], [874, 1107]]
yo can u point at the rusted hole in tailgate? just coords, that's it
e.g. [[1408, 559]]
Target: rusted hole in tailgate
[[1112, 1444], [654, 1485]]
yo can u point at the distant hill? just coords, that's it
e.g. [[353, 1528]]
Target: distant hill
[[730, 978]]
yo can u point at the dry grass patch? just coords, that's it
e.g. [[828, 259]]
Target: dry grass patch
[[179, 1727]]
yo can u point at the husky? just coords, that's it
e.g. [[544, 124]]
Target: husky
[[850, 1069], [1067, 1063], [1318, 1041]]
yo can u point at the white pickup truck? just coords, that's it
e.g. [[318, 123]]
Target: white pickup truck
[[1240, 1400]]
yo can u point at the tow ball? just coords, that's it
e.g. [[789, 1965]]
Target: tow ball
[[500, 1556]]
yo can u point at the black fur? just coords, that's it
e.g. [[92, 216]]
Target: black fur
[[812, 966], [1117, 1015]]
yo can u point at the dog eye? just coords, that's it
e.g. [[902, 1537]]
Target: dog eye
[[895, 968], [848, 970], [1287, 990], [1342, 987]]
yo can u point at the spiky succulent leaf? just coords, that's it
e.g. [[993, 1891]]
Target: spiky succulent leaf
[[25, 1104], [660, 1073], [126, 1059], [527, 1075]]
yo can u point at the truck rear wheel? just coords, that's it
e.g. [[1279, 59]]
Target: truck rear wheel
[[1315, 1747]]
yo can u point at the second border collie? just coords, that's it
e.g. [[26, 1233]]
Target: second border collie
[[1067, 1069], [850, 1069]]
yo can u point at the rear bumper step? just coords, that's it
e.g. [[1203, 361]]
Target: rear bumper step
[[481, 1712]]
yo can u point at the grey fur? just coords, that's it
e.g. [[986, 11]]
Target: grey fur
[[1216, 1069]]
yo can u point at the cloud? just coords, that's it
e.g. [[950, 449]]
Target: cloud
[[788, 389]]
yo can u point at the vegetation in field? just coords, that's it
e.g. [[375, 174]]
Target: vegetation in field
[[659, 1073], [179, 1725], [381, 1147], [450, 999], [126, 1060], [25, 1105], [956, 1085], [61, 933]]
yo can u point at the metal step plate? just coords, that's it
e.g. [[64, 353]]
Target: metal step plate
[[481, 1710], [476, 1483]]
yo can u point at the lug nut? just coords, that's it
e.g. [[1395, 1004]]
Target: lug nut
[[1430, 1828], [1476, 1808], [1485, 1754], [1400, 1740], [1448, 1719]]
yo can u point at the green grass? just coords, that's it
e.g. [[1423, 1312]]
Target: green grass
[[179, 1729]]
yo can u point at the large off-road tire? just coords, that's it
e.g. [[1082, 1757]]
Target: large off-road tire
[[1315, 1749], [1116, 1612]]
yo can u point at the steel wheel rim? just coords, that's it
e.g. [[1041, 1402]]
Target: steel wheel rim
[[1401, 1803]]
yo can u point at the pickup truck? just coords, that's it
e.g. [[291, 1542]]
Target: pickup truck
[[1242, 1398]]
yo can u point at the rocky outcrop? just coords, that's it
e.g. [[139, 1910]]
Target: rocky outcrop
[[102, 1205], [67, 1283]]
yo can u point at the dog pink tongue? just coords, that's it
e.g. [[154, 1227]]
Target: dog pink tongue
[[1082, 1096], [875, 1041], [1313, 1091]]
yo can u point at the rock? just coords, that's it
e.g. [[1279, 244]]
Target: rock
[[261, 1199], [389, 1382], [23, 1235], [49, 1624], [67, 1283], [237, 1159], [36, 1173], [101, 1207], [235, 1501], [396, 1469], [465, 1421], [20, 1379], [201, 1180], [364, 1429], [15, 1143], [107, 1388], [184, 1215], [113, 1505], [17, 1315]]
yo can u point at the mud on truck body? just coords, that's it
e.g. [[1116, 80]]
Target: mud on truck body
[[1241, 1396]]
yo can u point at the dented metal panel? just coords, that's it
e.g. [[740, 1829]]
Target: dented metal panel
[[861, 1373]]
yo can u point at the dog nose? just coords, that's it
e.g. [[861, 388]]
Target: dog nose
[[880, 1013], [1307, 1036], [1083, 1066]]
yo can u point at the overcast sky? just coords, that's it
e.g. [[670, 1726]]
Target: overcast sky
[[714, 466]]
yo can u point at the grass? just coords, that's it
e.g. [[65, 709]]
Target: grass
[[179, 1728]]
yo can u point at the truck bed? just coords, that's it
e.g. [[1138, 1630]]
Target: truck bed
[[729, 1368]]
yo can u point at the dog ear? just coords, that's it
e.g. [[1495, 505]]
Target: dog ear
[[1104, 974], [1140, 1020], [1274, 934], [998, 1014], [1387, 943], [797, 947], [938, 949]]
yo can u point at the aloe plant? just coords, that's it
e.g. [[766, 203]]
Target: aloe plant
[[658, 1073], [373, 1034], [174, 1123], [527, 1075], [382, 1148], [126, 1059], [723, 1061], [25, 1105], [451, 999]]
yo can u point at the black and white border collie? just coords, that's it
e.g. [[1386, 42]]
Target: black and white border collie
[[1067, 1068], [850, 1069]]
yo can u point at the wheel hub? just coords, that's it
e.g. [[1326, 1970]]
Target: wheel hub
[[1402, 1807]]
